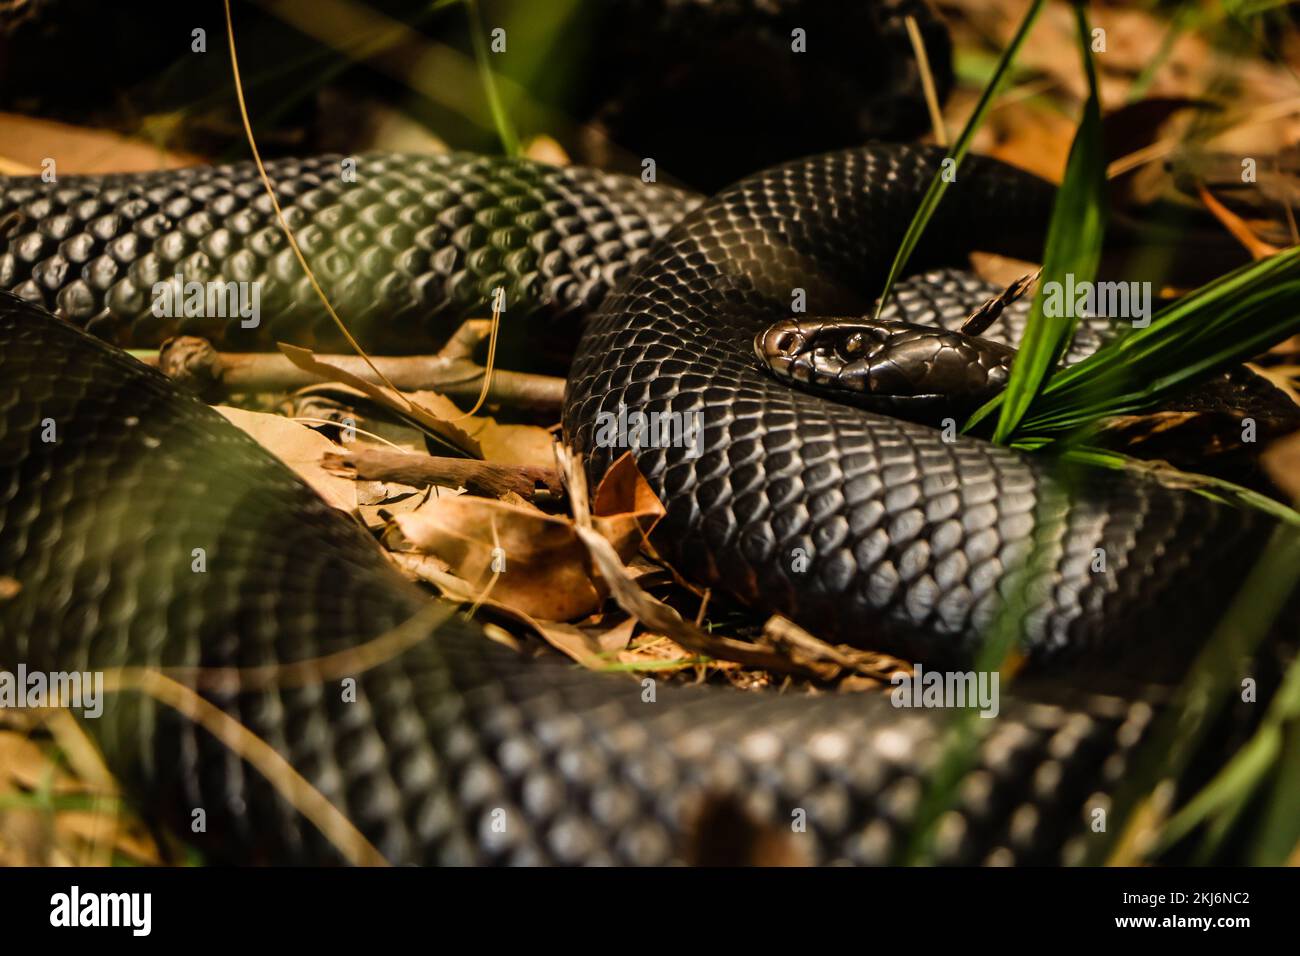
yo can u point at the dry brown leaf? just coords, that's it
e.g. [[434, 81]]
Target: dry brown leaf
[[545, 149], [504, 444], [378, 501], [89, 831], [1281, 462], [300, 448], [657, 616], [36, 836], [76, 149], [543, 569], [415, 408], [513, 444], [584, 647], [25, 765]]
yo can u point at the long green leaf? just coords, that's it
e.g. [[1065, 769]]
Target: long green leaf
[[1203, 694], [1225, 796], [1219, 326], [1073, 250], [505, 128], [1278, 834], [960, 147], [1219, 489]]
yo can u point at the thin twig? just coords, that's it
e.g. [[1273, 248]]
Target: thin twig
[[451, 372], [487, 479], [927, 82]]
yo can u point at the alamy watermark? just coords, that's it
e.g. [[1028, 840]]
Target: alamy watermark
[[76, 690], [637, 430], [175, 298], [133, 911], [946, 689], [1114, 300]]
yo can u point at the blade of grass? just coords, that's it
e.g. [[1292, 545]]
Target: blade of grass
[[1221, 324], [1184, 19], [1181, 728], [1146, 367], [1216, 488], [500, 118], [1073, 249], [939, 185], [1224, 797], [1278, 834], [927, 81]]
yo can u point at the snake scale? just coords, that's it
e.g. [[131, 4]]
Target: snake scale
[[910, 538]]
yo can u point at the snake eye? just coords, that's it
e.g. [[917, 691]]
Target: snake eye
[[851, 347]]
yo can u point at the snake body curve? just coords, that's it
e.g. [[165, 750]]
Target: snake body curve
[[910, 537]]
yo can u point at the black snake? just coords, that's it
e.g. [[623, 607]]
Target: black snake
[[457, 750]]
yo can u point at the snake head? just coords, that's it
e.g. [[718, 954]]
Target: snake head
[[897, 368]]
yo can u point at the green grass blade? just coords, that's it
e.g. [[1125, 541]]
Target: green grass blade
[[1073, 249], [1180, 729], [1278, 835], [500, 118], [960, 147], [1224, 794], [1221, 324], [1218, 488], [1266, 755]]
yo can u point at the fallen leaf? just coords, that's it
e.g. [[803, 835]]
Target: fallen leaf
[[29, 141], [653, 613], [300, 448], [541, 569], [1281, 462], [586, 648], [504, 444], [414, 408]]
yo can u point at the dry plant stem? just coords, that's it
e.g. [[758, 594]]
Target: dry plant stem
[[1241, 231], [654, 614], [927, 82], [783, 632], [452, 371], [487, 479]]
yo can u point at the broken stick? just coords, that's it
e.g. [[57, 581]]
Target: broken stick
[[482, 478]]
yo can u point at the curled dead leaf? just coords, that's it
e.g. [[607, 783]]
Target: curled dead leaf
[[414, 407], [299, 447], [540, 567], [1281, 462]]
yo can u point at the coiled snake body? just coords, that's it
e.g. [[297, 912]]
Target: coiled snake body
[[910, 539]]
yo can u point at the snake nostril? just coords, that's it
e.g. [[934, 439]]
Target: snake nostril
[[783, 342], [777, 342]]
